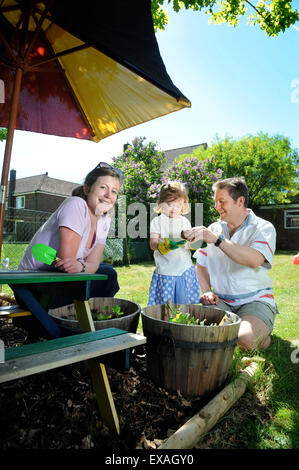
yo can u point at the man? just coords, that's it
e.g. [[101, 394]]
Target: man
[[232, 269]]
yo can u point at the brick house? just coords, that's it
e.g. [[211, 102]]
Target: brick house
[[285, 218], [39, 193], [31, 201]]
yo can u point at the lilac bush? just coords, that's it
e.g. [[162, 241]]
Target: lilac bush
[[142, 164], [198, 176]]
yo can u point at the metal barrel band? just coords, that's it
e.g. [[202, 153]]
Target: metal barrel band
[[166, 339], [201, 345]]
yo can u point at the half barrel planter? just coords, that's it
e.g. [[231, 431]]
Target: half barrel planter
[[66, 316], [193, 359]]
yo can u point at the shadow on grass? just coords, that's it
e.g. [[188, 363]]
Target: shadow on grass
[[278, 384], [266, 416]]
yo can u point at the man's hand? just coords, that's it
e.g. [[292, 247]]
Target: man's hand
[[209, 298], [200, 233]]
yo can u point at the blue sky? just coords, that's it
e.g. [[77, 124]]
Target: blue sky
[[238, 80]]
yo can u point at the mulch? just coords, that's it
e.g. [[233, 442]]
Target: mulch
[[58, 409]]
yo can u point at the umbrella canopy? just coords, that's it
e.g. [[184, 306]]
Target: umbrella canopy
[[80, 69]]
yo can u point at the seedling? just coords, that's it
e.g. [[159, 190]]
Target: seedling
[[101, 316], [185, 318], [106, 316], [117, 311]]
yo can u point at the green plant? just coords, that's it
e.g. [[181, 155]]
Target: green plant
[[185, 318], [116, 312], [116, 309]]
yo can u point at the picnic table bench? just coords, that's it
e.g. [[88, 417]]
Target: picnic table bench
[[89, 345]]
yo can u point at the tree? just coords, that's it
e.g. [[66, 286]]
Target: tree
[[141, 163], [269, 164], [3, 134], [273, 16]]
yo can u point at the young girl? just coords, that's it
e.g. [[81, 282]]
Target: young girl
[[174, 277]]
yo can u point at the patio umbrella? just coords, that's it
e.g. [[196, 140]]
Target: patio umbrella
[[79, 69]]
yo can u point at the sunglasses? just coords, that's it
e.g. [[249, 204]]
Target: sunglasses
[[106, 165]]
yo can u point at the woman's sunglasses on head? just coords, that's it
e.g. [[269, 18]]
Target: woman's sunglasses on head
[[106, 165]]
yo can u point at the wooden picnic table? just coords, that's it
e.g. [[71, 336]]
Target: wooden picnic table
[[49, 283]]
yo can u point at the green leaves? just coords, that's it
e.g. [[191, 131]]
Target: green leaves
[[186, 318], [268, 163], [106, 316], [273, 16], [141, 163], [3, 134]]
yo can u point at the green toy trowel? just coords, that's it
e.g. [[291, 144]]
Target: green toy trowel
[[44, 253]]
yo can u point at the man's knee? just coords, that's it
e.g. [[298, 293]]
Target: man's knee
[[250, 343], [253, 334]]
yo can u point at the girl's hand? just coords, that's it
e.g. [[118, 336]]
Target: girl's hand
[[209, 298], [69, 265]]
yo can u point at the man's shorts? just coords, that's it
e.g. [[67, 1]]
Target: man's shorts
[[261, 310]]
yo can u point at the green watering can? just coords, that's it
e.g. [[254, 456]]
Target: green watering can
[[44, 253]]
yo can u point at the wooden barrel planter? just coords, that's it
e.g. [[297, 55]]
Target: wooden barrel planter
[[66, 316], [193, 359]]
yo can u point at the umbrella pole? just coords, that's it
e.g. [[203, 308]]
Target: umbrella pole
[[8, 147]]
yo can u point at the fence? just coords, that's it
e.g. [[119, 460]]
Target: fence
[[21, 224]]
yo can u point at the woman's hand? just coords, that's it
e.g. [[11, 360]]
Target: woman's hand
[[209, 298], [69, 265]]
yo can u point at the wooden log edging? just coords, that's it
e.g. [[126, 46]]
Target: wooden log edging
[[187, 436]]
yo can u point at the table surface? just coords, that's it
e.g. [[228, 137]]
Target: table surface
[[33, 277]]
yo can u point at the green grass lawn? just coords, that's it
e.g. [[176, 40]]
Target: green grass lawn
[[267, 416]]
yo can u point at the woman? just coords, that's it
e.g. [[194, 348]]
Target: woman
[[78, 229]]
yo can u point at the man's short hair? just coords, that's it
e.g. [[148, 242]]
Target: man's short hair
[[235, 187]]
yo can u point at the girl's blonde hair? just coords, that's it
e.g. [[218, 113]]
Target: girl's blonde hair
[[169, 192]]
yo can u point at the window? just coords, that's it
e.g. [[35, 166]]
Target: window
[[291, 219], [20, 202]]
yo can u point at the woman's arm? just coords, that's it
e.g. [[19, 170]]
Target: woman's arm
[[69, 242], [94, 258]]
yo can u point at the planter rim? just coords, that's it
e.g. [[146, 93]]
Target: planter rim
[[138, 310], [238, 319]]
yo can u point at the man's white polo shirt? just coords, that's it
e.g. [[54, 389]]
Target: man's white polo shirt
[[232, 282]]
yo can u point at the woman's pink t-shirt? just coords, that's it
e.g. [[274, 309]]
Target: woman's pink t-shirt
[[73, 213]]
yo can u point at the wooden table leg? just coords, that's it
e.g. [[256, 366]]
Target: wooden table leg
[[98, 372], [33, 305]]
